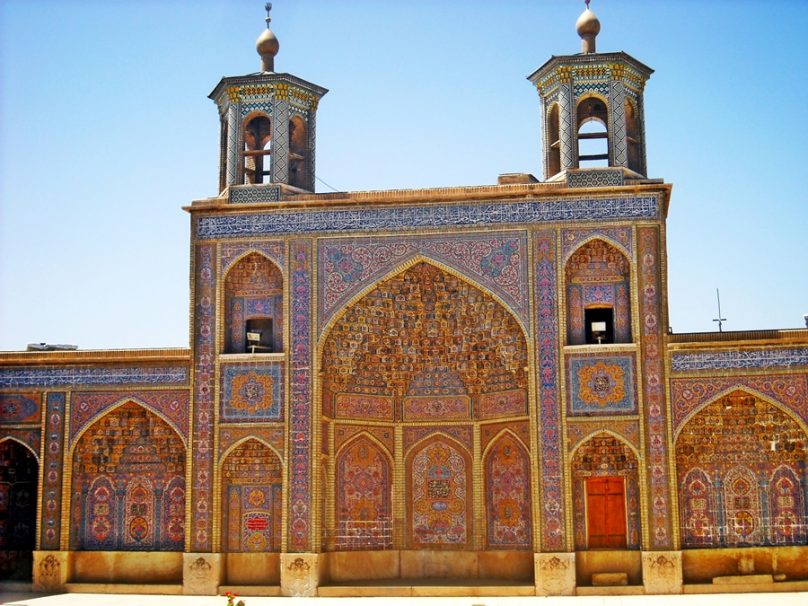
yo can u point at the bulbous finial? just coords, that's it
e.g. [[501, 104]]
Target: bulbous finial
[[588, 28], [267, 45]]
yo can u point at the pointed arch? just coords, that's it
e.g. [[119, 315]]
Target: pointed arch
[[606, 493], [253, 303], [251, 472], [402, 267], [592, 108], [506, 465], [422, 315], [140, 454], [439, 485], [19, 486], [256, 154], [609, 432], [246, 253], [740, 387], [597, 278], [363, 495], [553, 144], [699, 511], [74, 440], [786, 507], [746, 494], [742, 506], [28, 447], [228, 451]]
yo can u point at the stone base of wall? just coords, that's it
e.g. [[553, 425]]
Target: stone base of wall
[[554, 573], [202, 573], [52, 571], [662, 572]]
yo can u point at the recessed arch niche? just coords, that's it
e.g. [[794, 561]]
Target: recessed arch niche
[[741, 471], [128, 489]]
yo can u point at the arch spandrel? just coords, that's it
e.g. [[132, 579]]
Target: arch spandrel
[[495, 262], [423, 320]]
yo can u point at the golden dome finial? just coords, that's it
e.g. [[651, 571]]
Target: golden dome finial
[[267, 45], [588, 28]]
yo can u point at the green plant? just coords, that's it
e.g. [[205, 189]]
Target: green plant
[[231, 599]]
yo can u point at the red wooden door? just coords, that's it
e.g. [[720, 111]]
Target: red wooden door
[[606, 512]]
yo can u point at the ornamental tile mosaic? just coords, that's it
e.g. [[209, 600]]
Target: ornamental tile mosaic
[[232, 434], [489, 431], [496, 261], [384, 435], [424, 332], [252, 499], [252, 392], [128, 489], [440, 485], [52, 470], [745, 359], [361, 406], [172, 405], [687, 395], [363, 506], [653, 380], [508, 494], [601, 385], [274, 250], [548, 380], [571, 239], [741, 464], [20, 407], [579, 430], [53, 376], [289, 222]]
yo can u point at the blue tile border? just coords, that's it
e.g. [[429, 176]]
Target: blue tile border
[[279, 222], [724, 360], [20, 376]]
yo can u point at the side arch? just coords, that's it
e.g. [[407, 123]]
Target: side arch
[[128, 445], [74, 440], [251, 497], [363, 495], [508, 492], [439, 485], [28, 447], [609, 459], [746, 444]]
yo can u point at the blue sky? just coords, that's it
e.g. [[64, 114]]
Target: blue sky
[[106, 131]]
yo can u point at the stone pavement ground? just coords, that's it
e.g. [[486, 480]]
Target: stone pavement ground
[[97, 599]]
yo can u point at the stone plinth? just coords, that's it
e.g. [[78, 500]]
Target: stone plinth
[[202, 573], [555, 573], [51, 571], [300, 574], [662, 572]]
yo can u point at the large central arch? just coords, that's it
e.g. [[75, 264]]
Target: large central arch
[[425, 351]]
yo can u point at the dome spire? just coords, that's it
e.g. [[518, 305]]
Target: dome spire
[[588, 28], [267, 45]]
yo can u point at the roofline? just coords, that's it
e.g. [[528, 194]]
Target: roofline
[[85, 356], [583, 58], [264, 77]]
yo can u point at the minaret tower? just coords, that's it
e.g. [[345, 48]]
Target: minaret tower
[[592, 108], [267, 129]]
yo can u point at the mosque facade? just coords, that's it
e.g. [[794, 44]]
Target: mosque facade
[[471, 387]]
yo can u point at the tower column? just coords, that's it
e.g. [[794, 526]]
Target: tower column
[[280, 142], [618, 146], [566, 133], [233, 139]]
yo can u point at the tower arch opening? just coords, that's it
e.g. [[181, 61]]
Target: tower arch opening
[[592, 127], [253, 300], [598, 295], [257, 152]]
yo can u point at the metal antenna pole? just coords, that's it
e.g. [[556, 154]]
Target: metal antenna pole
[[719, 319]]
